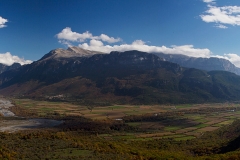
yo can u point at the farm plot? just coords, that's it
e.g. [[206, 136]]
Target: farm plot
[[187, 127], [191, 120]]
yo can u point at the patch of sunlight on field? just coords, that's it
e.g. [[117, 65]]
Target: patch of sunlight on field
[[134, 124], [201, 125], [172, 128]]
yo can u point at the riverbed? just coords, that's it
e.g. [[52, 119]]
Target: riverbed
[[12, 123]]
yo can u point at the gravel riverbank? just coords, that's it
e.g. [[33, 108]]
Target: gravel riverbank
[[16, 124]]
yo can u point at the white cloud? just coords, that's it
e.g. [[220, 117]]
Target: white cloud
[[138, 42], [233, 58], [108, 39], [96, 43], [221, 26], [65, 42], [2, 22], [226, 15], [139, 45], [209, 1], [8, 59], [68, 35]]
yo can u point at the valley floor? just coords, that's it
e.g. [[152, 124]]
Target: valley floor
[[70, 131]]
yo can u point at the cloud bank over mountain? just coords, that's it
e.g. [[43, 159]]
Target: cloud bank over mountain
[[8, 59], [104, 43]]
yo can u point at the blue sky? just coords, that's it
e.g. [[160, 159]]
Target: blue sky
[[200, 28]]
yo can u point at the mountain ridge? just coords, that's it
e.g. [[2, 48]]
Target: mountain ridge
[[4, 67], [119, 77], [208, 64]]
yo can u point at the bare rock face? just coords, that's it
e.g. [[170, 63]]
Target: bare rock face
[[71, 52]]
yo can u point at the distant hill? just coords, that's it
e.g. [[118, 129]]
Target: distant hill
[[119, 77], [207, 64]]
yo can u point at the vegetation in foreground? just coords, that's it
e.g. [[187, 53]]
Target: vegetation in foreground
[[69, 143], [141, 136]]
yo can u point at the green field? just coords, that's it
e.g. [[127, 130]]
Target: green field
[[189, 120]]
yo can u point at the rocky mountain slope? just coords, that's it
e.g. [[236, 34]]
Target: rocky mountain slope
[[119, 77], [71, 52], [207, 64], [4, 68]]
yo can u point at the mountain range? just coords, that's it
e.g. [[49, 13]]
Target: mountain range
[[208, 64], [95, 78]]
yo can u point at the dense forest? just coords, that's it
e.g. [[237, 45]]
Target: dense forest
[[83, 144]]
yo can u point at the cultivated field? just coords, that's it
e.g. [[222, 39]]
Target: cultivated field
[[179, 122]]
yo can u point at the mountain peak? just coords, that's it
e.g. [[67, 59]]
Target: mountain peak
[[76, 49], [71, 52]]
